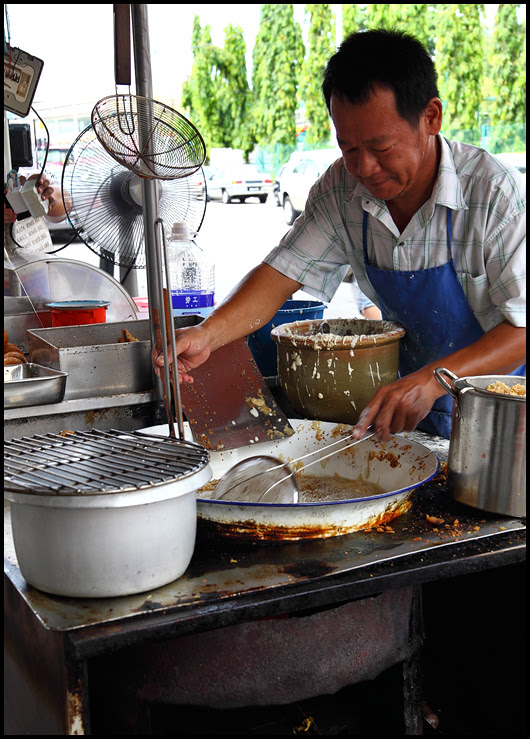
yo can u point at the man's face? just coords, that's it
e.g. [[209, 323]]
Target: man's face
[[382, 150]]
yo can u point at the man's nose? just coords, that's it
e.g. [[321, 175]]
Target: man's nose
[[367, 165]]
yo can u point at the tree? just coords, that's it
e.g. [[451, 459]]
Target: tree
[[321, 45], [353, 19], [233, 91], [198, 96], [277, 57], [459, 63], [217, 93], [380, 15], [509, 63]]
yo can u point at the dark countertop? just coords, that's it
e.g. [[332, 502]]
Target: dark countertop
[[229, 582]]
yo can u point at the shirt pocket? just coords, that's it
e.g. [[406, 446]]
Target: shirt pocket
[[475, 286]]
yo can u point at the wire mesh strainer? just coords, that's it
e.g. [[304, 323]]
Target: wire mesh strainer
[[148, 137]]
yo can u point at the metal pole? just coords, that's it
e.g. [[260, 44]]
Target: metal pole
[[144, 87]]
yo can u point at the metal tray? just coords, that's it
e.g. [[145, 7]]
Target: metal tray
[[97, 363], [32, 384]]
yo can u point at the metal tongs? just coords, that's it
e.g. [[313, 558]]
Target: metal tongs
[[164, 330], [264, 479]]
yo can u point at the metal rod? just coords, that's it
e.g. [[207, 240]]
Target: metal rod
[[173, 367], [144, 87], [160, 319]]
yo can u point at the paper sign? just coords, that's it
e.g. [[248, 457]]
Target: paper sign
[[32, 235]]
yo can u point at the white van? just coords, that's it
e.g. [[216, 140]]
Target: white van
[[300, 173]]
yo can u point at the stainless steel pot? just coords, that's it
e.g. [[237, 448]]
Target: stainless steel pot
[[487, 451]]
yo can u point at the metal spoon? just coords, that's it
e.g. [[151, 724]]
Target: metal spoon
[[266, 479]]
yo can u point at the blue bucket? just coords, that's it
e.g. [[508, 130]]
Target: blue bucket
[[261, 345]]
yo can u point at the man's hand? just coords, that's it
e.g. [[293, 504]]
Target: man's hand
[[9, 215], [193, 345], [45, 190], [400, 406]]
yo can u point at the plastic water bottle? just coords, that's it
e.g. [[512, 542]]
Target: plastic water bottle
[[192, 275]]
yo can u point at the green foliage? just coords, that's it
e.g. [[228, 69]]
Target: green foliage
[[510, 137], [217, 95], [481, 74], [277, 57], [234, 96], [509, 63], [459, 63], [353, 19], [321, 45], [417, 19]]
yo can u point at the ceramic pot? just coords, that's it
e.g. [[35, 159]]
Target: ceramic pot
[[333, 376]]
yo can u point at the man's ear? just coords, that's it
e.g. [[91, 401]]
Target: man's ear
[[432, 115]]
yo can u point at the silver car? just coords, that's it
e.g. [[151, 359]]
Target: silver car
[[300, 173], [240, 182]]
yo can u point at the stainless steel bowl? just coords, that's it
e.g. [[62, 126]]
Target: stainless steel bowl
[[31, 384]]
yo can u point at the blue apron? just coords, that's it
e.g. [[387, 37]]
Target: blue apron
[[432, 306]]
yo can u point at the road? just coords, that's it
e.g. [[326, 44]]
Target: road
[[236, 237]]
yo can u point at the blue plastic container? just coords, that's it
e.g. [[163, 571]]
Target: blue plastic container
[[261, 345]]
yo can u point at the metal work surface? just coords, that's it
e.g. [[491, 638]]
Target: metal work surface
[[129, 411], [224, 574]]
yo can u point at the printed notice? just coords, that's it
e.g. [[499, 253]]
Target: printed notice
[[32, 235]]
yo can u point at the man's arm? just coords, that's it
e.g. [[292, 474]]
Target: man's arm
[[250, 305]]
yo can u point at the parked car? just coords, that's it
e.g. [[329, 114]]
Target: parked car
[[241, 182], [300, 173]]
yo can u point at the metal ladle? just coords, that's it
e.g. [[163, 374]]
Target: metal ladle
[[266, 479]]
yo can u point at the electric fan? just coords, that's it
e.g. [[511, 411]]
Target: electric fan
[[103, 201]]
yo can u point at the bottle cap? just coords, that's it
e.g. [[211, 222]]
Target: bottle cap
[[181, 232]]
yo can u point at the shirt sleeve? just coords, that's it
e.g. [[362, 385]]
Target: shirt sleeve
[[505, 257]]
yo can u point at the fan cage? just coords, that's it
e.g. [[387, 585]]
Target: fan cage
[[148, 137]]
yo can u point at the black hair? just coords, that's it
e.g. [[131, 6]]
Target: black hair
[[392, 59]]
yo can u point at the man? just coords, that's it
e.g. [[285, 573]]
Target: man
[[433, 230]]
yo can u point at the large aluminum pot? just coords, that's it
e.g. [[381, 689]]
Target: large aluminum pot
[[487, 451], [96, 546], [330, 370]]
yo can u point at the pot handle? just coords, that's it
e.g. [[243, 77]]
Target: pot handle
[[439, 373]]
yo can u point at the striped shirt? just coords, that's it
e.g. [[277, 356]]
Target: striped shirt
[[488, 203]]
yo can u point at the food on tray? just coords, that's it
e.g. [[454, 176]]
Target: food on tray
[[12, 353], [127, 337], [12, 348], [502, 388], [10, 359]]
